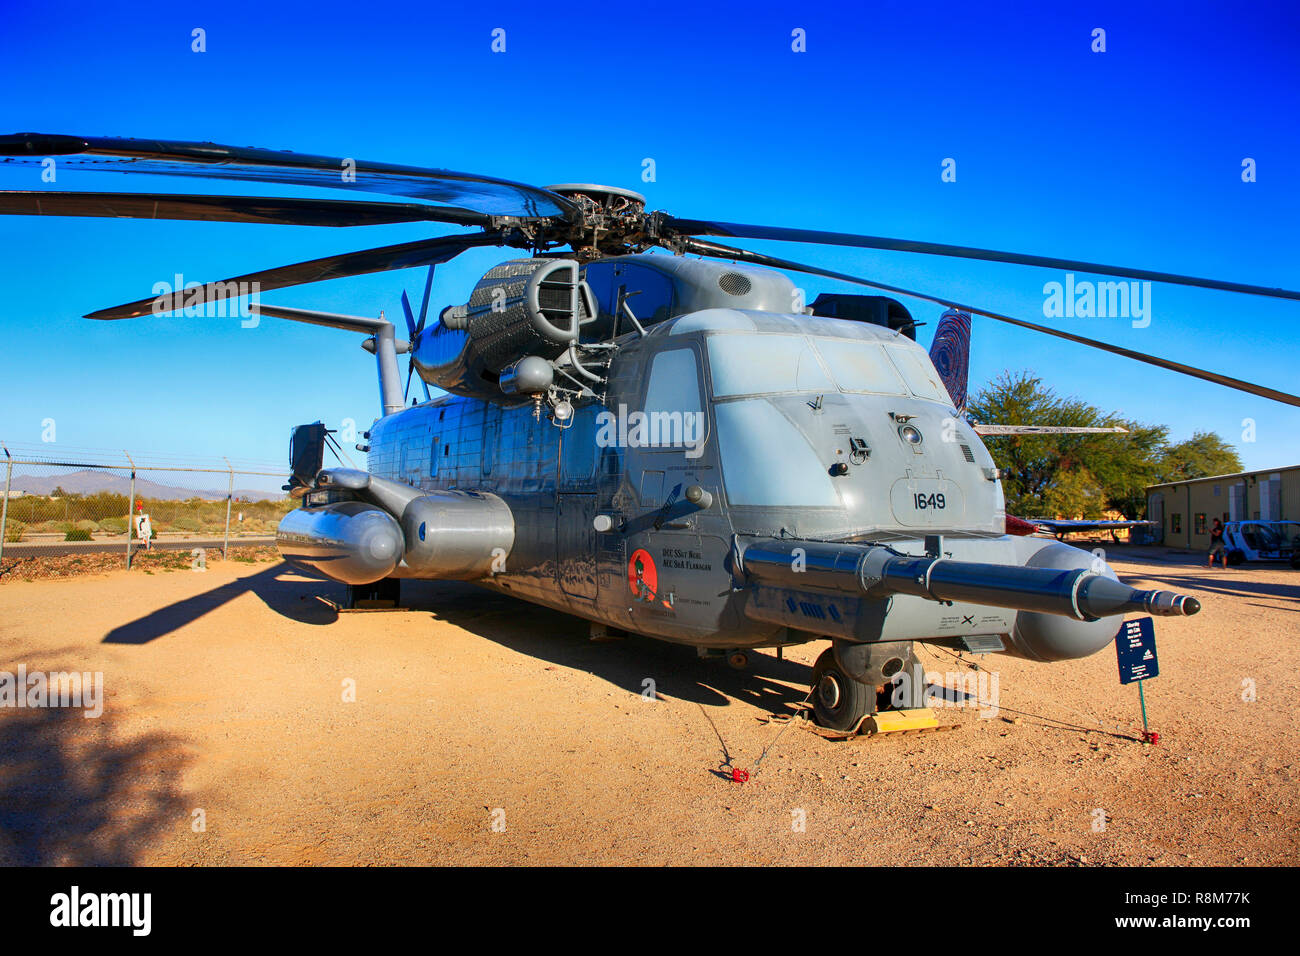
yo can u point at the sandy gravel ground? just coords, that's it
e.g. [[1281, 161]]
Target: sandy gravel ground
[[488, 731]]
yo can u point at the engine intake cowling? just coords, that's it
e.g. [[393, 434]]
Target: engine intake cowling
[[521, 308]]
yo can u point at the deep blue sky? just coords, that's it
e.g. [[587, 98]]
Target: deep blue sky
[[1132, 156]]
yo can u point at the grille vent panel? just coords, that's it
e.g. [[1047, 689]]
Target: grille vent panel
[[733, 283]]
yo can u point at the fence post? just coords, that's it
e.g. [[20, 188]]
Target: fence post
[[4, 509], [230, 493], [130, 510]]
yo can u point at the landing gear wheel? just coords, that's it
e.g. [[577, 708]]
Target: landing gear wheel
[[738, 660], [838, 700]]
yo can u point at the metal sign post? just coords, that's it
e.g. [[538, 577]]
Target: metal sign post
[[4, 509], [130, 511], [230, 493], [1135, 652]]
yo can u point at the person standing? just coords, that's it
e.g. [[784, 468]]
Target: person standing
[[1216, 545]]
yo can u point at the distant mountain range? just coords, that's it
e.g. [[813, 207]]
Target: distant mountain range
[[90, 481]]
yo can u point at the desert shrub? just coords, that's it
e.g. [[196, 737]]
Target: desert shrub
[[14, 530], [76, 534], [113, 525], [103, 504], [188, 523], [86, 524]]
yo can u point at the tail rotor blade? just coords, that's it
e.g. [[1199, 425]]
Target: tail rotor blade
[[424, 303], [410, 319], [419, 327]]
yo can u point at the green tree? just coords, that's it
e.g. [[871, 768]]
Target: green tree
[[1066, 475], [1076, 494], [1202, 455]]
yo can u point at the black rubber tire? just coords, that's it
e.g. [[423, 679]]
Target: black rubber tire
[[839, 701]]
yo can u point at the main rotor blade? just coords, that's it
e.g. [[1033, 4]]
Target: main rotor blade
[[484, 194], [283, 212], [700, 227], [716, 251], [383, 259]]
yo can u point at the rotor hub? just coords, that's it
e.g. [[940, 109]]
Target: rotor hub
[[611, 220], [602, 195]]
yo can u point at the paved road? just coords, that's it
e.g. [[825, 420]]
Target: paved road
[[29, 549]]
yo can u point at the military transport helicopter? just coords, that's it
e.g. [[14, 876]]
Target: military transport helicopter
[[671, 446]]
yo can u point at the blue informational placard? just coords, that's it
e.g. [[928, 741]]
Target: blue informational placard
[[1135, 648]]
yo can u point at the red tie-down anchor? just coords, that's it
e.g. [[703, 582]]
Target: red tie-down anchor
[[738, 775], [1150, 737]]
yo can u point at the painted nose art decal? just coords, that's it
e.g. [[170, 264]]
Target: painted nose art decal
[[643, 579], [642, 575]]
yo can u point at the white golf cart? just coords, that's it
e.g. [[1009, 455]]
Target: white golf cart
[[1262, 541]]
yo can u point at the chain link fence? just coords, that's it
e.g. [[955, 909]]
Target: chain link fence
[[96, 502]]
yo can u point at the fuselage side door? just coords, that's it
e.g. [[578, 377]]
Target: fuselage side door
[[668, 557]]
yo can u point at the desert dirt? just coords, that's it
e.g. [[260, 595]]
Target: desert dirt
[[488, 731]]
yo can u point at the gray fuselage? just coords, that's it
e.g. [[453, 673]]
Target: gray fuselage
[[796, 426]]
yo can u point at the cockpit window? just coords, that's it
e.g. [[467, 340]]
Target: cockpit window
[[674, 383], [771, 363], [919, 373], [862, 367], [759, 364]]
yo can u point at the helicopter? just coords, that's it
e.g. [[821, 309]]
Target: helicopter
[[652, 431]]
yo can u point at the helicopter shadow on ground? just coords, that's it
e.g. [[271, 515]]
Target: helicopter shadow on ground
[[541, 633], [277, 586], [625, 662], [1235, 582]]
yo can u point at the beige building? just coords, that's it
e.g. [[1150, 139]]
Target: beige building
[[1184, 510]]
